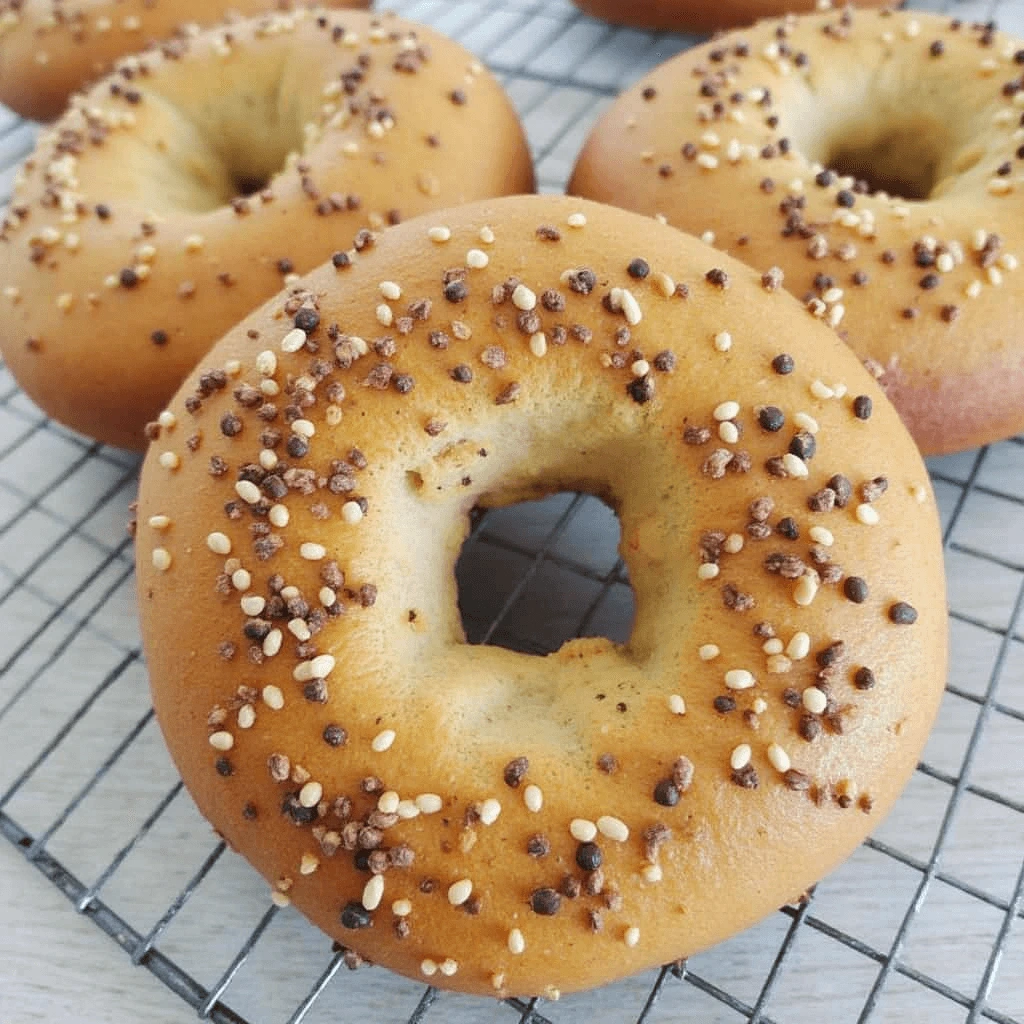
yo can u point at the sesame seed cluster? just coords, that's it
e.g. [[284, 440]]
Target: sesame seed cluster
[[50, 49], [462, 813], [150, 219], [873, 161]]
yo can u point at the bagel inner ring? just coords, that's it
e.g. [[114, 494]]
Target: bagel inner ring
[[216, 136], [892, 129]]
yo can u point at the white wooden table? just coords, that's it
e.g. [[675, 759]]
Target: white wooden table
[[68, 661]]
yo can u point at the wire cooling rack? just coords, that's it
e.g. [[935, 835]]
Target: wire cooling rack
[[923, 923]]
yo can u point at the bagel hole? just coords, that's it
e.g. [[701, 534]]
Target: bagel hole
[[902, 157], [249, 184], [536, 574], [875, 170]]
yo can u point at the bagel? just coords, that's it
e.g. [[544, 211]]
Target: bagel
[[50, 49], [498, 822], [790, 142], [129, 247], [700, 15]]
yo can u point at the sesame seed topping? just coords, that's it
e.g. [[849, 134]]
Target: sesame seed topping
[[676, 704], [867, 514], [708, 652], [739, 679], [310, 795], [523, 298], [373, 892], [382, 741], [248, 491], [799, 646], [708, 571], [387, 802], [312, 552], [582, 830], [728, 432], [630, 307], [576, 220], [723, 341], [439, 234], [516, 942], [406, 810], [273, 697], [820, 535], [317, 668], [159, 522], [429, 803], [428, 968], [352, 513], [631, 936], [613, 828], [161, 559], [459, 892], [740, 757], [490, 810], [222, 741], [279, 516], [401, 908], [533, 797], [266, 363], [805, 422], [778, 758], [294, 340], [169, 460], [299, 629], [806, 590], [477, 259], [272, 643], [795, 466], [814, 700]]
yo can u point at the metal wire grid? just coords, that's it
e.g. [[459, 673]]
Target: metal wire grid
[[528, 578]]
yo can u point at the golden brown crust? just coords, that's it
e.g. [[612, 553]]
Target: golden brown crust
[[514, 376], [124, 255], [49, 49], [927, 289], [700, 15]]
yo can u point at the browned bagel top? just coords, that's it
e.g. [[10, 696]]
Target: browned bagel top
[[50, 49], [495, 821], [763, 139], [152, 216]]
